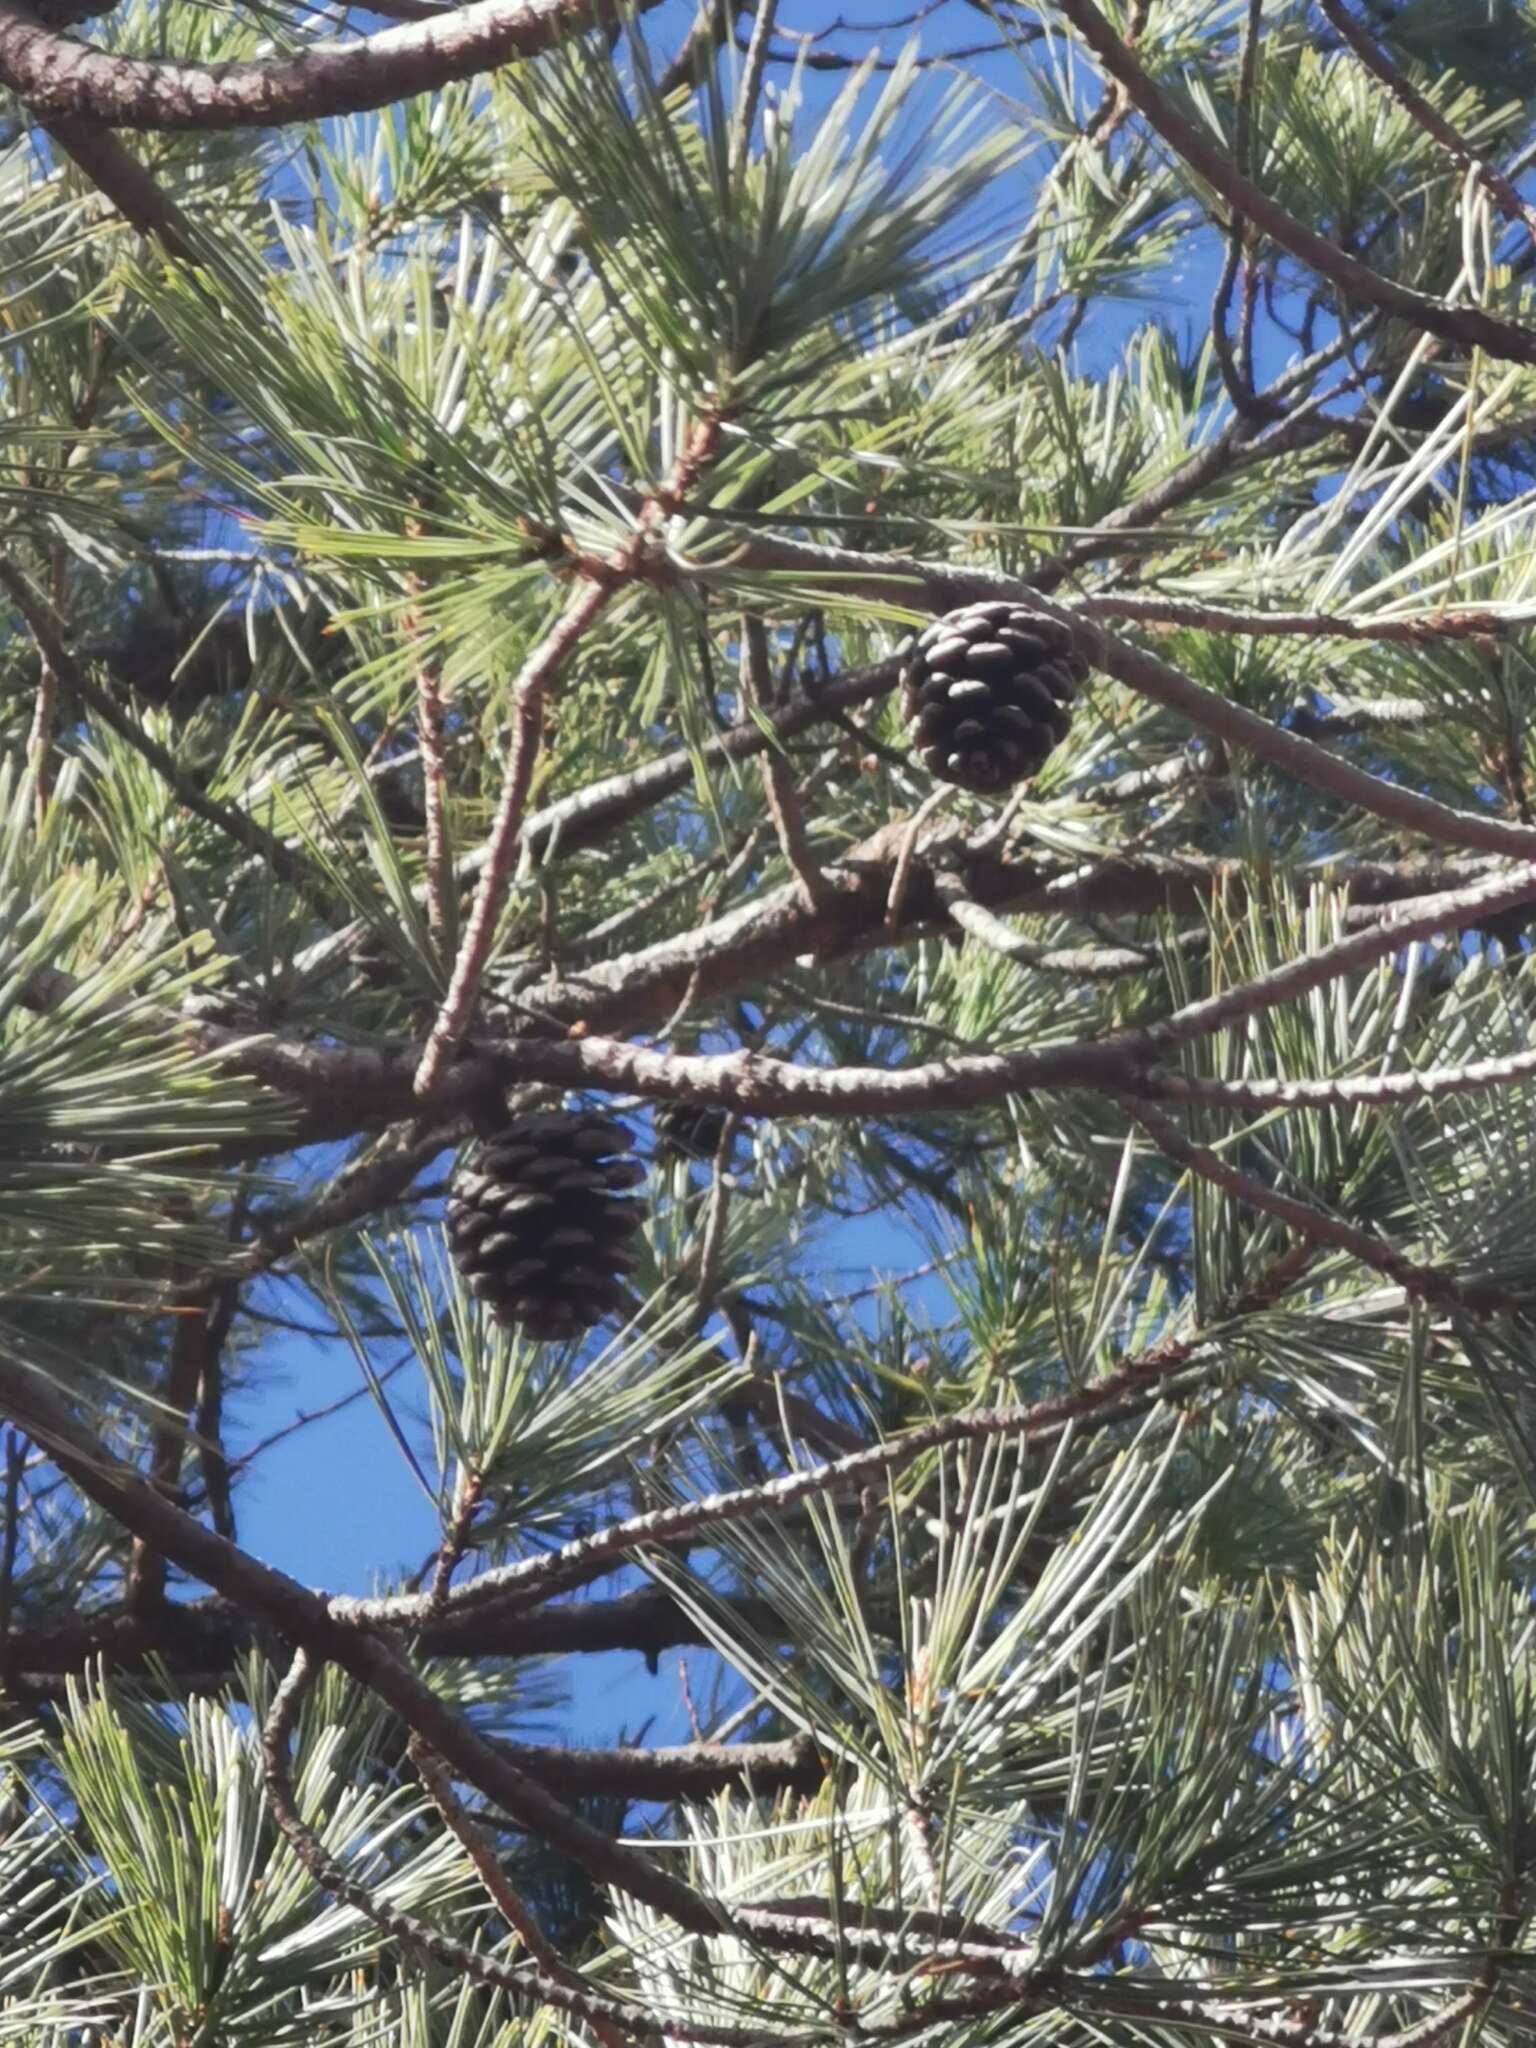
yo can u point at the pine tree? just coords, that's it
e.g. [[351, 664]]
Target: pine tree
[[512, 521]]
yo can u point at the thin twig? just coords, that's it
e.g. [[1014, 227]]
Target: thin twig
[[15, 1464], [120, 178], [1348, 716], [1308, 971], [212, 1460], [438, 1780], [1440, 2026], [694, 1770], [902, 872], [54, 74], [586, 601], [1423, 1283], [471, 1492], [308, 1416], [779, 791], [429, 727], [1235, 375], [208, 1434]]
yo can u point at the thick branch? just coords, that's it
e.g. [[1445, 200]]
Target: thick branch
[[1465, 623], [695, 1771], [418, 1934], [575, 1563], [207, 1638], [354, 1085], [56, 75], [120, 178], [1414, 1084]]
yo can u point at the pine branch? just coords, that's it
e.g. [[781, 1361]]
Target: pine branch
[[55, 75], [1462, 623], [940, 588], [417, 1934], [1467, 326], [125, 182], [326, 1629], [439, 1784], [1345, 717], [1086, 963], [206, 1639], [528, 692], [236, 825], [1417, 1084], [1433, 1284], [1375, 59], [344, 1087], [540, 1578], [578, 822], [637, 990], [1240, 444], [695, 1770]]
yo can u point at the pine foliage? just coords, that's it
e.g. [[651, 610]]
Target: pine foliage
[[1062, 1442]]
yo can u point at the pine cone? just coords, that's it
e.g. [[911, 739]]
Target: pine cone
[[538, 1222], [986, 692], [171, 662], [689, 1130]]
